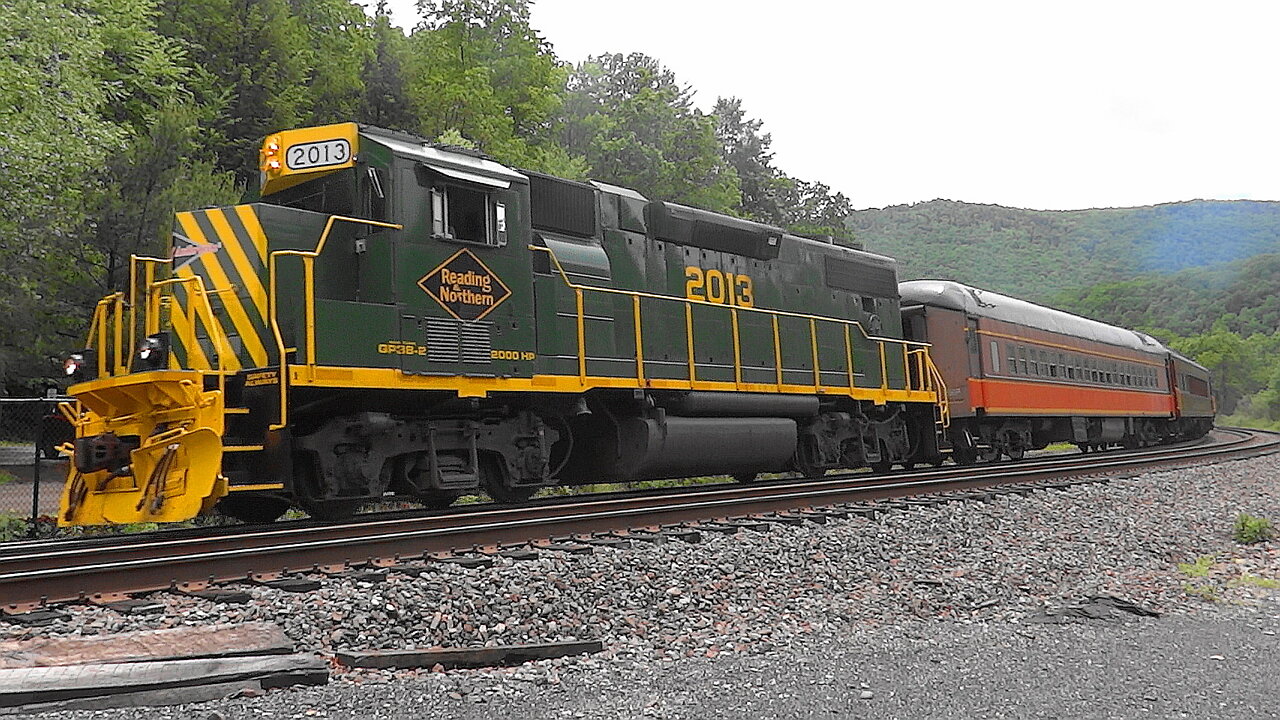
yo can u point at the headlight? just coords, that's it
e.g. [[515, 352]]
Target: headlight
[[154, 352], [80, 365]]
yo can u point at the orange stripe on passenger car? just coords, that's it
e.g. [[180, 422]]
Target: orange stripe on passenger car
[[1005, 397]]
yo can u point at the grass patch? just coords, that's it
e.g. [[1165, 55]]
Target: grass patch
[[1204, 592], [1199, 568], [1061, 447], [1256, 581], [1249, 530], [12, 526], [638, 485], [1247, 421], [7, 477]]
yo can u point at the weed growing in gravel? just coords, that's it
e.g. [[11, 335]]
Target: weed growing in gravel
[[1199, 568], [1256, 581], [12, 526], [1204, 592], [1250, 529]]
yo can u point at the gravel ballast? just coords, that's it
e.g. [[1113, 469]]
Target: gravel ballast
[[956, 609]]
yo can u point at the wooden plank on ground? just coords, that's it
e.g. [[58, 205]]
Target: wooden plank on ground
[[180, 643], [146, 698], [466, 657], [26, 686]]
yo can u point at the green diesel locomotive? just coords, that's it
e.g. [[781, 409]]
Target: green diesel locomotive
[[399, 318]]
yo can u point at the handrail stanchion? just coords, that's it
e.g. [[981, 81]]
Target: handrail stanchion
[[737, 350], [582, 339], [777, 351], [309, 282], [117, 337], [635, 319], [813, 346], [848, 357], [688, 331], [884, 369]]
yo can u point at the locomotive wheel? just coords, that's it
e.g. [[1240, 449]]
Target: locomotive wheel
[[989, 454], [439, 500], [494, 482], [964, 456], [507, 495], [332, 509], [1015, 452], [252, 510], [746, 477]]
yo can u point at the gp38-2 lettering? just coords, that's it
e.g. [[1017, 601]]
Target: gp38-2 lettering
[[401, 347]]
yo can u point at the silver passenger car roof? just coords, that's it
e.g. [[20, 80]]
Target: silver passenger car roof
[[987, 304]]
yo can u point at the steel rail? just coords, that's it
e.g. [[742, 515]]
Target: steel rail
[[35, 577], [34, 554], [41, 553]]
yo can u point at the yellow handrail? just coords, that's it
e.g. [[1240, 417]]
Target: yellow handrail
[[923, 382], [204, 310], [150, 264], [309, 298]]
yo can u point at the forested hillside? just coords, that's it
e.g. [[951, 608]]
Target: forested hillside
[[1226, 317], [114, 113], [1203, 276], [1242, 296], [1037, 253]]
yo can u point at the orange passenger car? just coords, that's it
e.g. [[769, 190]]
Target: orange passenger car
[[1021, 376]]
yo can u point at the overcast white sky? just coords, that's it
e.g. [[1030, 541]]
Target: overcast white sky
[[1033, 104]]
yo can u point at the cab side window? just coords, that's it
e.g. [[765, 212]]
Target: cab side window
[[462, 212]]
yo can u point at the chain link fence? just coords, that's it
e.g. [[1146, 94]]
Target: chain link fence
[[31, 470]]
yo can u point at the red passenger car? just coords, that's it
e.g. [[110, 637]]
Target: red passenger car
[[1021, 376]]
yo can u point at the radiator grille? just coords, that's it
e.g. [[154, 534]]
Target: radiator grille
[[475, 343], [452, 341]]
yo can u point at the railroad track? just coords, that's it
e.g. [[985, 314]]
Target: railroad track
[[105, 569]]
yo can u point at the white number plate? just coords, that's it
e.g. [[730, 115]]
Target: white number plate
[[318, 154]]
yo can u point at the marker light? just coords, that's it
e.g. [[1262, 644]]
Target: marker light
[[269, 157]]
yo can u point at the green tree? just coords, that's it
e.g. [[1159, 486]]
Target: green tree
[[258, 58], [764, 187], [478, 68], [637, 126], [342, 43], [55, 136], [1234, 362], [810, 208], [90, 99], [386, 102]]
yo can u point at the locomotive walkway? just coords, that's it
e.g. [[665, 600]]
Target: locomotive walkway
[[103, 569]]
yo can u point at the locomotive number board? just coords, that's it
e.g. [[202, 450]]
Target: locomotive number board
[[324, 153]]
